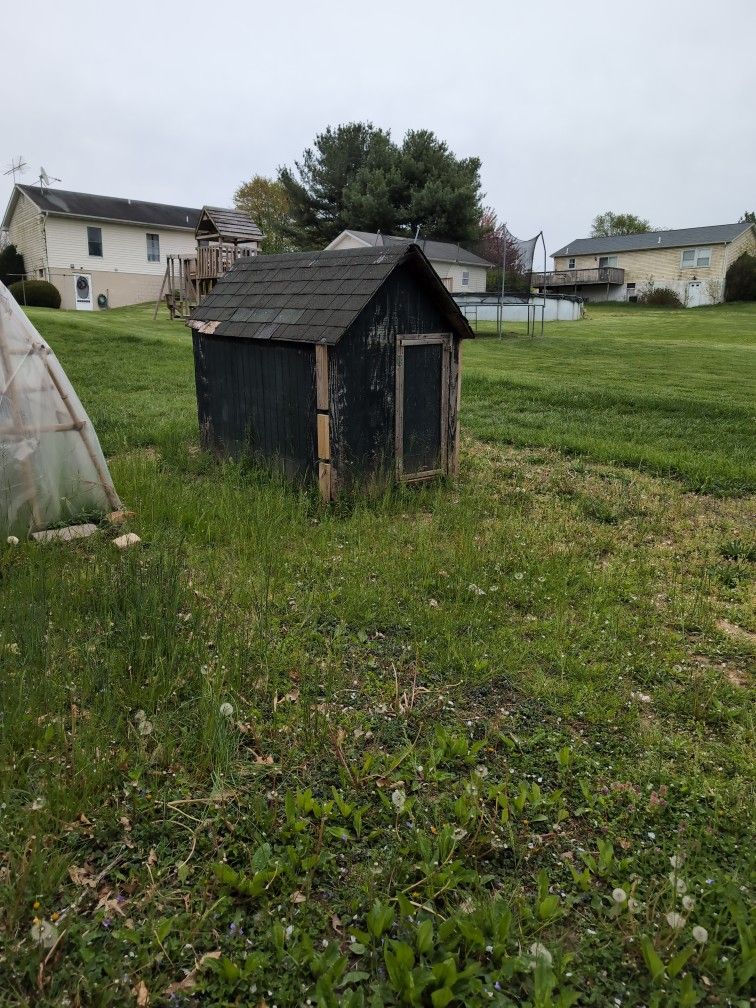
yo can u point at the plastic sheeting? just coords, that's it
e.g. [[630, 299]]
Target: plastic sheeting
[[52, 470]]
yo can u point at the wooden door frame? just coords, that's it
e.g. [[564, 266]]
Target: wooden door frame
[[445, 340]]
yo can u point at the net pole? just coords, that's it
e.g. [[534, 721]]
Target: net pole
[[503, 276]]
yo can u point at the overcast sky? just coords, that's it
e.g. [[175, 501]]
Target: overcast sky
[[573, 108]]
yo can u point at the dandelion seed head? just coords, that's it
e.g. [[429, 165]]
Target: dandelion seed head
[[675, 920], [226, 710], [619, 895], [700, 934]]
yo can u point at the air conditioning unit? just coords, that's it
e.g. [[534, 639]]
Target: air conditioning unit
[[83, 292]]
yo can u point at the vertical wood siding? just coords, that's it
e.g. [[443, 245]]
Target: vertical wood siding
[[258, 399], [362, 377]]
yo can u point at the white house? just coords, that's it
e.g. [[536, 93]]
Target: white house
[[97, 245], [459, 269]]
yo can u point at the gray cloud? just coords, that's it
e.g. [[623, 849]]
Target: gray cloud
[[573, 108]]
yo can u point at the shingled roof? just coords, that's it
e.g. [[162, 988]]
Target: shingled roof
[[714, 234], [232, 225], [62, 203], [309, 297]]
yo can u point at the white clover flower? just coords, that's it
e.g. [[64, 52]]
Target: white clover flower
[[518, 577], [226, 710], [619, 895], [676, 861], [688, 902], [540, 953], [144, 727], [12, 540], [633, 905], [459, 833], [398, 799], [675, 920], [37, 804], [700, 934], [44, 933]]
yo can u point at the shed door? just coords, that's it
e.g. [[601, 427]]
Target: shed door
[[422, 398]]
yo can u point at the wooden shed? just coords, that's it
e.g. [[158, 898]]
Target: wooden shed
[[340, 365]]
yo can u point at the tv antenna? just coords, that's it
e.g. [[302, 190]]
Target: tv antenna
[[45, 179], [17, 166]]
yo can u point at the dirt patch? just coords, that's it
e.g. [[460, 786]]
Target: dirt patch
[[737, 632]]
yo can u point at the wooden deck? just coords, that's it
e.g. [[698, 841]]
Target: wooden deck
[[580, 277]]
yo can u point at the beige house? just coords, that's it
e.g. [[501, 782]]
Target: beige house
[[460, 270], [692, 262], [99, 251]]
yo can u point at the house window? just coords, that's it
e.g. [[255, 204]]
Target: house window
[[605, 261], [94, 240], [465, 278], [571, 263], [696, 258], [153, 248]]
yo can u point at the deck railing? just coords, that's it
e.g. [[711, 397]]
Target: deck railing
[[580, 277]]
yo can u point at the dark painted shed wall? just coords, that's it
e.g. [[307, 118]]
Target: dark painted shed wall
[[362, 375], [257, 398]]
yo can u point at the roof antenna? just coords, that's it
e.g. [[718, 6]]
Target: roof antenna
[[417, 233], [45, 179], [377, 236], [17, 165]]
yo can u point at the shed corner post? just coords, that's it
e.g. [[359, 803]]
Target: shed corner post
[[323, 420], [454, 468]]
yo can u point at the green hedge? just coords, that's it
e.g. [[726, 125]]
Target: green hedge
[[661, 297], [740, 282], [36, 294]]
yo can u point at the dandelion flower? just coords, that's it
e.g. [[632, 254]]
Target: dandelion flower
[[398, 799], [12, 540], [676, 861], [540, 953], [44, 933], [144, 727], [688, 902], [619, 895], [680, 885], [700, 934], [226, 710], [675, 920]]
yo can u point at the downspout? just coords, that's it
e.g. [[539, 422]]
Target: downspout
[[724, 271]]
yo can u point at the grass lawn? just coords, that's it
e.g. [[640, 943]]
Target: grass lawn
[[470, 744]]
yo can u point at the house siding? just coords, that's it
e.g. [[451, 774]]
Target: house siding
[[123, 272], [743, 243], [124, 246], [25, 232], [450, 273]]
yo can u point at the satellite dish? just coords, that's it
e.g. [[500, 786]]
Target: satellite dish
[[45, 178]]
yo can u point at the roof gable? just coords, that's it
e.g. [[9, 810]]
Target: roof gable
[[311, 297], [715, 234], [61, 202], [436, 251]]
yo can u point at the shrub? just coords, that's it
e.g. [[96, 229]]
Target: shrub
[[36, 294], [11, 265], [740, 282], [661, 297]]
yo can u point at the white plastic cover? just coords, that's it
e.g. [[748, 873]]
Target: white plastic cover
[[52, 470]]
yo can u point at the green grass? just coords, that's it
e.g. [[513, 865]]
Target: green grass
[[462, 715], [669, 391]]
